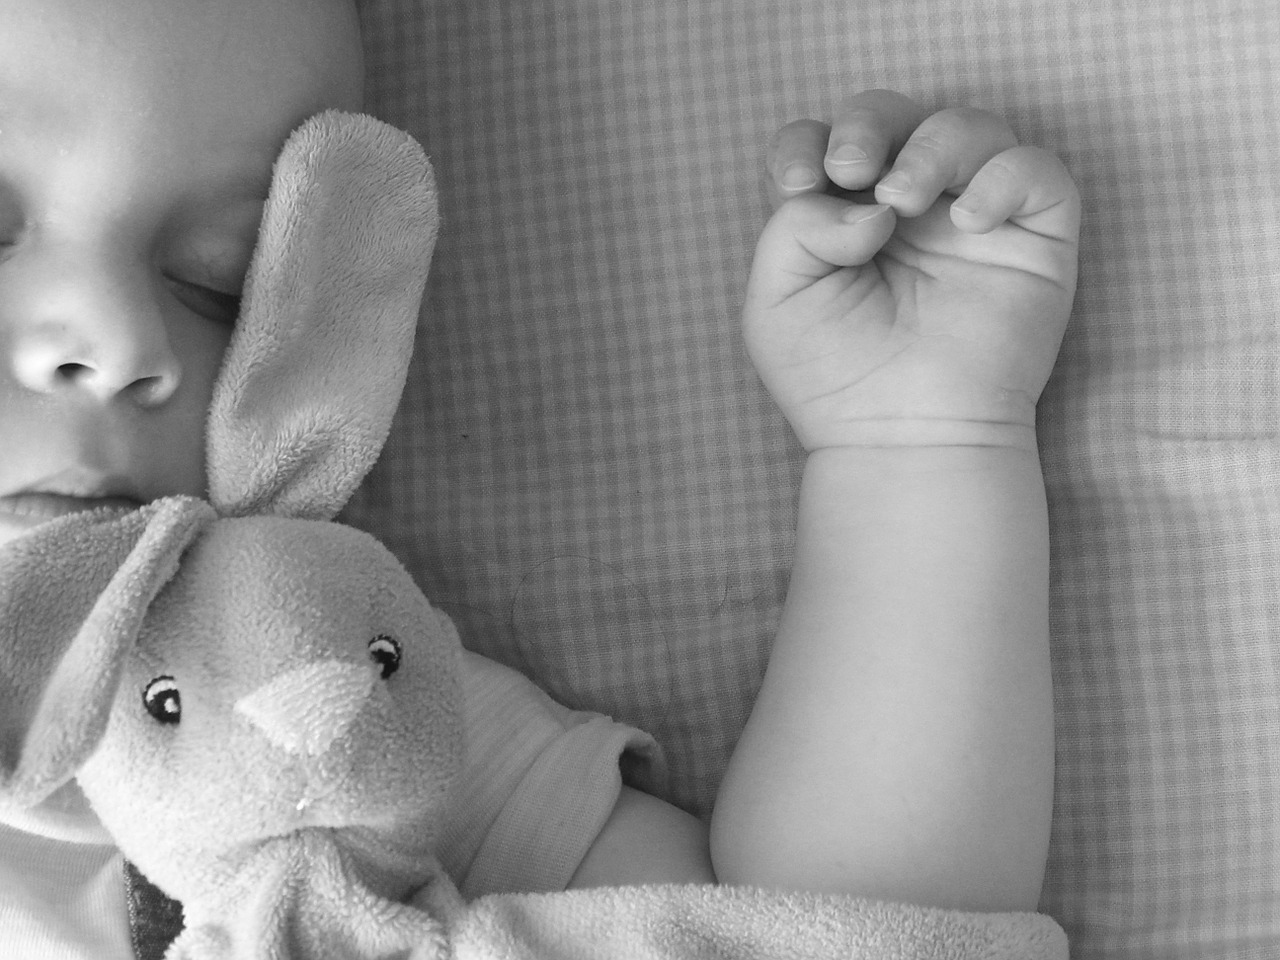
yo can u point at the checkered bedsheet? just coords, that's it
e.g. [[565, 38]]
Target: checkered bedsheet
[[588, 477]]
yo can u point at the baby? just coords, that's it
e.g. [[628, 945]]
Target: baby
[[901, 746]]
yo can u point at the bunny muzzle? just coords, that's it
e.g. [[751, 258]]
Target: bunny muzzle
[[290, 676], [305, 710]]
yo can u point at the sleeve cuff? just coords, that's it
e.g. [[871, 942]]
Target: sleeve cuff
[[538, 783], [557, 811]]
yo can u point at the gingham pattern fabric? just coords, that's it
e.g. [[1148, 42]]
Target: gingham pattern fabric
[[588, 477]]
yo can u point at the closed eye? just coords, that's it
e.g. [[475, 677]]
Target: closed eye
[[216, 305]]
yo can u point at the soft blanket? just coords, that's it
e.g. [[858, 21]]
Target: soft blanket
[[726, 923]]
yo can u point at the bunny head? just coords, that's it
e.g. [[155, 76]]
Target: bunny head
[[313, 686], [218, 676], [240, 680]]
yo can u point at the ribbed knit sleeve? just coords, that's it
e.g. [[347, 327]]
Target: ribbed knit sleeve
[[538, 783]]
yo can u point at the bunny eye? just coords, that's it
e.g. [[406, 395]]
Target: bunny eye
[[162, 700], [385, 652]]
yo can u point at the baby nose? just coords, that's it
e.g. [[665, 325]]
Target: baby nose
[[125, 365], [86, 323], [305, 710]]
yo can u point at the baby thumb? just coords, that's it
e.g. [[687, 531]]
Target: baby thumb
[[812, 236]]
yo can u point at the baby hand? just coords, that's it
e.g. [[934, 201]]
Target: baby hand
[[906, 315]]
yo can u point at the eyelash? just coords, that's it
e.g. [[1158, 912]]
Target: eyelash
[[215, 305]]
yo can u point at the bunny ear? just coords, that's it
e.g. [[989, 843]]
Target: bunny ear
[[62, 678], [315, 369]]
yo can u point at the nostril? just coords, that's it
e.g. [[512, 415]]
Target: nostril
[[71, 372], [152, 391], [147, 391]]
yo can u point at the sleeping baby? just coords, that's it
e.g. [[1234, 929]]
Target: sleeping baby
[[904, 309]]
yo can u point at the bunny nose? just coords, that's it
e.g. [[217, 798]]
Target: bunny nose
[[308, 708]]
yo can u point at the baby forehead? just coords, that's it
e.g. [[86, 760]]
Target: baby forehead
[[243, 57]]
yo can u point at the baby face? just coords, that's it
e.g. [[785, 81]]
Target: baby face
[[136, 145]]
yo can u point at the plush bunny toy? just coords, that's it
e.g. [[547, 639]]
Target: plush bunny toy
[[259, 704]]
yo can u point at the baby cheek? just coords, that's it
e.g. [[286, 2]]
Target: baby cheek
[[180, 468], [200, 345]]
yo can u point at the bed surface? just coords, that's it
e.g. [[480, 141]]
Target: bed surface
[[586, 474]]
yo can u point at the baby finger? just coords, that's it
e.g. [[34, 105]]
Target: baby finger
[[811, 237], [794, 160], [867, 134], [943, 154], [1026, 185]]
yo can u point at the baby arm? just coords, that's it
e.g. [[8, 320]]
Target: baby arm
[[539, 803], [901, 745], [646, 840]]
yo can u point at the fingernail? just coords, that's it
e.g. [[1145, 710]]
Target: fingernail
[[847, 154], [860, 212], [798, 177], [896, 182], [968, 202]]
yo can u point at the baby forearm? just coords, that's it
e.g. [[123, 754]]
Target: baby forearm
[[901, 745]]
